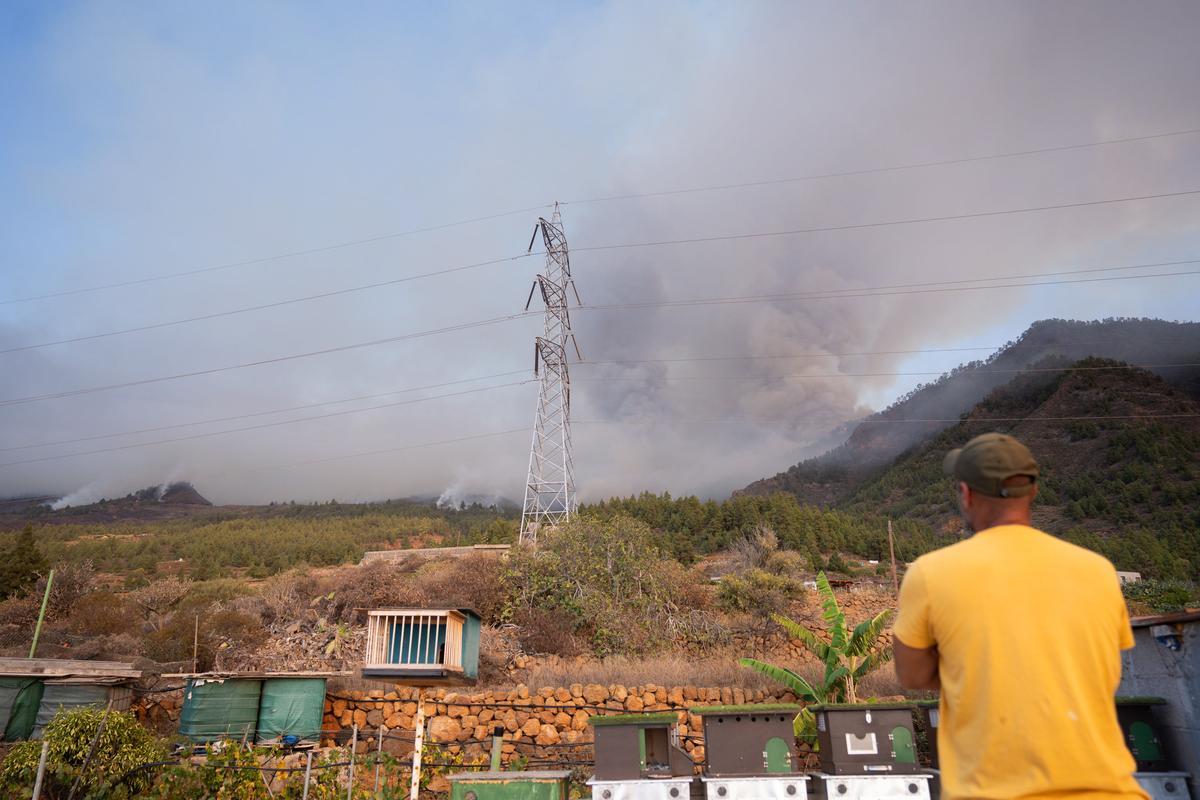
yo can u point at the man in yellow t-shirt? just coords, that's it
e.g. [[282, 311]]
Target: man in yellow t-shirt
[[1022, 633]]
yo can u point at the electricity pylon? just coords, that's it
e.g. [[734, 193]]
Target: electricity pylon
[[550, 486]]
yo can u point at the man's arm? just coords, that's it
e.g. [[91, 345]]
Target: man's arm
[[916, 668]]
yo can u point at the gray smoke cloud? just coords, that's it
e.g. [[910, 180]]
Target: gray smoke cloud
[[171, 139]]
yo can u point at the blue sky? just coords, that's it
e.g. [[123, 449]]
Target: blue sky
[[152, 138]]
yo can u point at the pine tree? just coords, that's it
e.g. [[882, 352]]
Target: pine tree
[[22, 563]]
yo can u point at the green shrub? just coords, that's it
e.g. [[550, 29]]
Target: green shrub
[[122, 746]]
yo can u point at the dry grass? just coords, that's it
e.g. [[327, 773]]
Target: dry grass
[[661, 670], [680, 670]]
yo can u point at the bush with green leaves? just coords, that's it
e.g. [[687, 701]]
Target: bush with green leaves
[[110, 773], [1163, 596], [604, 578]]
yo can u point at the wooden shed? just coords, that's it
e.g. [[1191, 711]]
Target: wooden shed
[[422, 646]]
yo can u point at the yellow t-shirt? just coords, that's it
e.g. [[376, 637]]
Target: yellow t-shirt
[[1029, 631]]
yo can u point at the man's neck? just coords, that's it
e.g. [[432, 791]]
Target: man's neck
[[1004, 519]]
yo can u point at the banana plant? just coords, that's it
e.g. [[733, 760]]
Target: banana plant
[[848, 656]]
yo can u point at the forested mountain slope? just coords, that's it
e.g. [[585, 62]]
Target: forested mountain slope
[[879, 439], [1129, 488]]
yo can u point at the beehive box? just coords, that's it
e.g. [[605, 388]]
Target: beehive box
[[866, 739], [930, 714], [636, 746], [1142, 732], [548, 785], [749, 739]]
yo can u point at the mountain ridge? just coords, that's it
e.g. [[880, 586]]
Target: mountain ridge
[[880, 439]]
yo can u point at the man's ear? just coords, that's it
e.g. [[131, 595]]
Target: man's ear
[[964, 495]]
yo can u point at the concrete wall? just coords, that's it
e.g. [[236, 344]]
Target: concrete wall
[[1152, 669]]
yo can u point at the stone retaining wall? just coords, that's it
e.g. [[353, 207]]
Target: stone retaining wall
[[538, 725]]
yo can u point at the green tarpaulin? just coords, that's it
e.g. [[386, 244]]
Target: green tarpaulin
[[56, 696], [216, 709], [291, 707], [19, 700]]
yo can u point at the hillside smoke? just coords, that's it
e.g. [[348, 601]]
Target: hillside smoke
[[321, 134]]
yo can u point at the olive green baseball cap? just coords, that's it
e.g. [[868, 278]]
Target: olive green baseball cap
[[987, 461]]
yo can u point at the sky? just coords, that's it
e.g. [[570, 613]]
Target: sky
[[273, 151]]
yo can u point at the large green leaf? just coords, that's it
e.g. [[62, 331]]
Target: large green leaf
[[873, 662], [835, 679], [795, 683], [806, 637], [832, 614], [867, 634]]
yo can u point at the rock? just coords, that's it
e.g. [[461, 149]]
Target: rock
[[619, 693], [470, 721], [634, 703], [562, 720], [562, 695], [522, 691], [690, 693], [595, 693], [339, 708], [510, 721], [648, 699], [548, 735], [546, 691], [577, 690], [409, 708], [480, 732], [675, 696], [739, 696], [393, 721], [439, 784], [445, 729], [360, 718], [374, 718], [579, 722], [456, 711], [532, 727], [727, 696], [486, 715]]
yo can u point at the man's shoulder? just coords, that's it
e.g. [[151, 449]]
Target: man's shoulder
[[980, 546]]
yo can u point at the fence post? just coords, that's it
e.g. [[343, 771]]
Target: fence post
[[37, 630], [41, 772], [378, 758], [417, 744], [353, 751], [307, 775]]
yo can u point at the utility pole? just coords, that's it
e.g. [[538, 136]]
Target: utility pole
[[892, 553], [550, 482]]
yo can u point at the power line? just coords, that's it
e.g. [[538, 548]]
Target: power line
[[876, 170], [264, 306], [261, 426], [381, 284], [822, 376], [744, 420], [250, 415], [266, 259], [602, 380], [792, 296], [886, 223], [747, 357], [278, 359], [583, 201], [867, 292]]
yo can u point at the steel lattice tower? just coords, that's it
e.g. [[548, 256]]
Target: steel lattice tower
[[550, 486]]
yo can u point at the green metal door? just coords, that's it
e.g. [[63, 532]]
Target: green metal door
[[1143, 742], [779, 759], [902, 745]]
